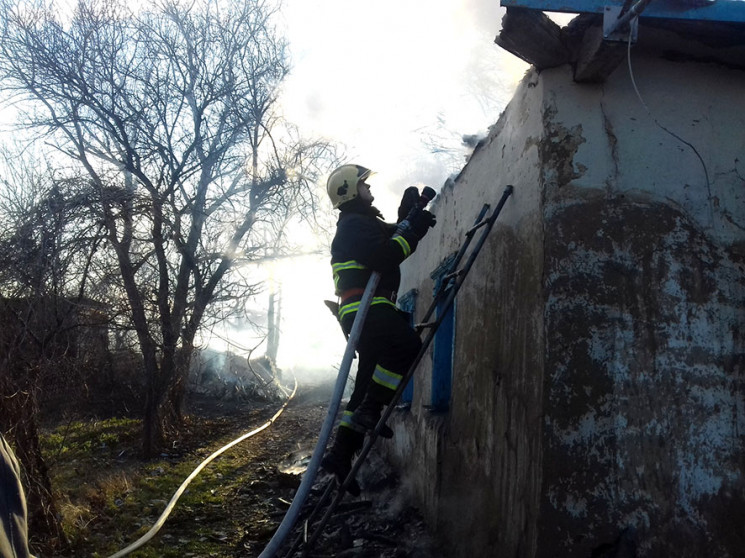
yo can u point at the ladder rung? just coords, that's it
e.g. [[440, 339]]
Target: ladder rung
[[452, 275], [425, 325], [476, 227]]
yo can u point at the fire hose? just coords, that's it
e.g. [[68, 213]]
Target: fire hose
[[288, 522], [169, 508]]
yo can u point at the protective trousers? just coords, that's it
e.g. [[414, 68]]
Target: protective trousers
[[13, 529], [387, 347]]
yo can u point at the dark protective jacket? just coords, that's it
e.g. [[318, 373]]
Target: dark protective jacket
[[365, 243]]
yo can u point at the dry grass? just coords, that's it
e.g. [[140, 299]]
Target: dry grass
[[108, 497]]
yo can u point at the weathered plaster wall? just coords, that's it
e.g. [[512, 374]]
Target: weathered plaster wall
[[478, 465], [598, 378], [644, 291]]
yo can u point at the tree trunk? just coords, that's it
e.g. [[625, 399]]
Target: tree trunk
[[174, 403], [273, 315], [152, 429]]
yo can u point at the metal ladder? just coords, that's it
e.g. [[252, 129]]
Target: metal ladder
[[445, 294]]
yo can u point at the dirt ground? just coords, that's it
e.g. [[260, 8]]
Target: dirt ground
[[235, 505], [380, 523]]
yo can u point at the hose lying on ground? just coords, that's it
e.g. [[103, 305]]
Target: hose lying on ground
[[169, 508]]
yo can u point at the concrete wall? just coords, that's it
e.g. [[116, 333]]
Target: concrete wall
[[598, 370]]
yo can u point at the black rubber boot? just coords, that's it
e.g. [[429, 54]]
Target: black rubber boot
[[338, 460], [385, 432]]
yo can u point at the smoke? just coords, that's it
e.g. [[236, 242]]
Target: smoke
[[399, 102], [310, 338]]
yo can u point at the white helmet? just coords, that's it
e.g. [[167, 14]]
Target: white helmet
[[342, 183]]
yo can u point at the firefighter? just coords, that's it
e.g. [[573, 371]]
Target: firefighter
[[13, 529], [388, 344]]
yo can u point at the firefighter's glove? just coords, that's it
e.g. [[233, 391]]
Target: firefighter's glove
[[408, 202], [421, 221]]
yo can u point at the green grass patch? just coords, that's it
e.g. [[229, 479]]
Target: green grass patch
[[109, 498]]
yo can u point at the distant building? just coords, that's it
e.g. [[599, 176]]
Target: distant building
[[588, 393]]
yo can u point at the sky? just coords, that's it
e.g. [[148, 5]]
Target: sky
[[390, 79], [398, 83]]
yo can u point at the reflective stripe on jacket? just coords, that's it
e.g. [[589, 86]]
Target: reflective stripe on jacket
[[364, 243], [346, 309]]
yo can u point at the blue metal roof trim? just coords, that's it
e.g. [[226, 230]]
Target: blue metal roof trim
[[721, 10]]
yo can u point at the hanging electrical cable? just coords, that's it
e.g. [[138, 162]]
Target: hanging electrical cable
[[629, 12], [169, 508], [654, 119]]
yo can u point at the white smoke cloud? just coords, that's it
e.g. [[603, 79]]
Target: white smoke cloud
[[398, 83], [386, 78]]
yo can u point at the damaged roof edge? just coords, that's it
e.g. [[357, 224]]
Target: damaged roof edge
[[719, 10]]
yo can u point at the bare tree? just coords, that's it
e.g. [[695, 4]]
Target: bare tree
[[46, 246], [172, 115]]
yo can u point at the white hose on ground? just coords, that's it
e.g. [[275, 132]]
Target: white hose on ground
[[169, 508]]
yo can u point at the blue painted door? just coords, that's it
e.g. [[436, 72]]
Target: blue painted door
[[442, 359]]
